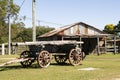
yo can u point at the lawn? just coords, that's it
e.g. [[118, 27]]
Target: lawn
[[108, 68]]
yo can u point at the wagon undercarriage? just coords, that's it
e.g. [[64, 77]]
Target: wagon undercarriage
[[43, 50]]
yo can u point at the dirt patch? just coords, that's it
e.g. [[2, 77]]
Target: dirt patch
[[89, 69], [117, 78]]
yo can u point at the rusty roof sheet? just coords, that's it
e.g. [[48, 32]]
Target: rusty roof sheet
[[56, 31]]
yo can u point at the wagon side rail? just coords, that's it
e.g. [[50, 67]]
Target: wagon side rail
[[46, 42]]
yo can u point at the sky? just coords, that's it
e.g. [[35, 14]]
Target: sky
[[57, 13]]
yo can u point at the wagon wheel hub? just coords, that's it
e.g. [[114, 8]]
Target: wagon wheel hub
[[45, 58], [75, 56]]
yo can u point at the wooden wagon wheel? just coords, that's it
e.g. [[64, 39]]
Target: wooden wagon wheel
[[25, 54], [75, 57], [44, 59], [60, 59]]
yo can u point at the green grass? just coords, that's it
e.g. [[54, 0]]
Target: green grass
[[108, 64]]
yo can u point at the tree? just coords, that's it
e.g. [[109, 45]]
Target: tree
[[118, 25], [109, 28], [26, 33], [42, 29], [6, 8], [117, 28], [18, 30]]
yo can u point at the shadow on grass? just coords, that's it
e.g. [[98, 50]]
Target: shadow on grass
[[64, 64], [33, 66], [5, 68]]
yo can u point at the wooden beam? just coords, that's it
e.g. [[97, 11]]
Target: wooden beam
[[98, 47], [14, 61], [46, 42], [80, 41], [105, 44], [115, 50]]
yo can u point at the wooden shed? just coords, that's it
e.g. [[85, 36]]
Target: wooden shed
[[91, 36]]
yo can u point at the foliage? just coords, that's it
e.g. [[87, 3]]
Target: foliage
[[3, 33], [112, 29], [117, 27], [109, 28], [26, 33], [18, 31], [42, 29], [16, 28], [6, 8]]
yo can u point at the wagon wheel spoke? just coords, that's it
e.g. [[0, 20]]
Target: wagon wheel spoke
[[75, 57], [44, 59], [24, 55], [60, 59]]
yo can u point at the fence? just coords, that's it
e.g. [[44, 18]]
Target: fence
[[3, 49], [110, 45], [14, 49]]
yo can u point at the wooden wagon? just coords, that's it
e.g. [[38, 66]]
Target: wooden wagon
[[42, 51]]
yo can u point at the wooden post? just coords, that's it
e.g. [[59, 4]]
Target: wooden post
[[98, 47], [3, 49], [80, 41], [34, 19], [115, 50], [105, 44], [62, 38], [9, 35], [9, 27]]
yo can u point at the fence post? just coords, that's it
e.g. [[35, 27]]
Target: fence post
[[3, 49], [98, 46], [105, 44], [115, 50]]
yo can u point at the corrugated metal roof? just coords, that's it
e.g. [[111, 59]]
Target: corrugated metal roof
[[56, 31]]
